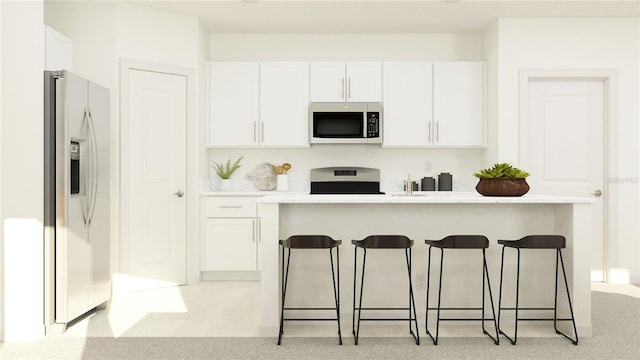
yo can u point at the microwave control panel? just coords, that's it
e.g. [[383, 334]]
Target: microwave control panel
[[373, 124]]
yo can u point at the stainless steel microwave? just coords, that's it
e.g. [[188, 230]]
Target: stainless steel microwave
[[345, 123]]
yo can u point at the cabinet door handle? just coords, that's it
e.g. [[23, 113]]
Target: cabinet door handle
[[259, 230], [253, 227], [429, 131], [349, 88], [254, 132], [437, 131], [230, 206], [342, 87], [262, 131]]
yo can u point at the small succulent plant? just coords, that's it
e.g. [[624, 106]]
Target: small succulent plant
[[501, 170], [226, 170]]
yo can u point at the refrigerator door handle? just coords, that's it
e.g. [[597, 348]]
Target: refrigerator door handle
[[93, 149], [86, 168]]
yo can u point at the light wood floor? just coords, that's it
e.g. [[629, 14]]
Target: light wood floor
[[231, 309]]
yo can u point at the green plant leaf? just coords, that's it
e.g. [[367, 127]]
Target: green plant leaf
[[224, 171], [501, 170]]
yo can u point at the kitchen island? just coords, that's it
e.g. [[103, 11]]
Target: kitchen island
[[421, 216]]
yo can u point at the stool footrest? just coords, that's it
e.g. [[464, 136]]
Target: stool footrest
[[525, 308], [310, 319], [387, 319], [381, 308], [545, 319], [453, 308], [466, 319], [334, 309]]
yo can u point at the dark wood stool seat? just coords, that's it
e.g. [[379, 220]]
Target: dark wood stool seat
[[310, 242], [460, 242], [555, 242], [383, 242]]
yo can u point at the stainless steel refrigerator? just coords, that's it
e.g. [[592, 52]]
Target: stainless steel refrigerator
[[76, 203]]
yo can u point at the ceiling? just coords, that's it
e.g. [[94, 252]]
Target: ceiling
[[376, 16]]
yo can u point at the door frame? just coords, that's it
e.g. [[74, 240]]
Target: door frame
[[609, 78], [191, 192]]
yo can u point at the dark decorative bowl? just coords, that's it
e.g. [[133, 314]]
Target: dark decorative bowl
[[504, 186]]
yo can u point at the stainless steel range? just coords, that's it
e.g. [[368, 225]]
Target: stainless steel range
[[345, 180]]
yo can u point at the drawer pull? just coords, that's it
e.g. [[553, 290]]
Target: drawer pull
[[230, 206]]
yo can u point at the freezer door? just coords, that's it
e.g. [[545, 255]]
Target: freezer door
[[72, 156]]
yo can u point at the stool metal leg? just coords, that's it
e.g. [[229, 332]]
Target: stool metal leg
[[336, 291], [364, 262], [412, 303], [353, 318], [555, 319], [500, 308], [555, 305], [285, 278], [435, 340], [486, 273]]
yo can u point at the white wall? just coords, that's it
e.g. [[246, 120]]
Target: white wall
[[583, 43], [394, 163], [21, 190], [490, 51], [326, 47]]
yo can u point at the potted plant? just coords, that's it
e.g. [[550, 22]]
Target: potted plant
[[224, 171], [502, 180]]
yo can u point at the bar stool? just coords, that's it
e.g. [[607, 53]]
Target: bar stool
[[383, 242], [460, 242], [311, 242], [556, 242]]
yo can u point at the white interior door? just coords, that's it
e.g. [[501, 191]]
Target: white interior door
[[156, 205], [563, 148]]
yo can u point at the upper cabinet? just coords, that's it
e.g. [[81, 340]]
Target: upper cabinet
[[58, 50], [258, 104], [437, 104], [425, 104], [346, 81], [233, 104], [458, 103], [407, 103], [284, 103]]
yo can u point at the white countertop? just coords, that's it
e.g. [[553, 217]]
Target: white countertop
[[429, 197]]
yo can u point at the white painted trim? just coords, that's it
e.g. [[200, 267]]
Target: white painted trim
[[192, 191], [610, 79]]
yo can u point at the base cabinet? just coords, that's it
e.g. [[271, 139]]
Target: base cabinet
[[230, 234], [231, 245]]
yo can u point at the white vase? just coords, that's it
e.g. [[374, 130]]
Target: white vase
[[226, 185], [282, 183]]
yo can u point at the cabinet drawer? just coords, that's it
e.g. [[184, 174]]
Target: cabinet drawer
[[227, 206]]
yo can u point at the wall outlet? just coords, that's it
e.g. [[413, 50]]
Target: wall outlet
[[421, 281], [427, 166]]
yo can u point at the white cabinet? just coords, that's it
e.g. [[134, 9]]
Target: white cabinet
[[408, 103], [231, 234], [458, 103], [233, 103], [433, 104], [58, 50], [350, 81], [254, 104], [284, 104]]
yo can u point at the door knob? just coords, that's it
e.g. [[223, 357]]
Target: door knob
[[180, 193], [597, 193]]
